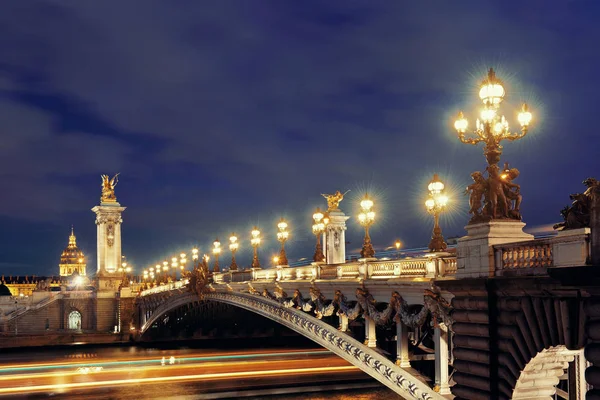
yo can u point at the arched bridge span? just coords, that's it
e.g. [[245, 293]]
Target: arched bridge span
[[379, 367]]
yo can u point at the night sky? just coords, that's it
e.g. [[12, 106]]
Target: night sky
[[222, 115]]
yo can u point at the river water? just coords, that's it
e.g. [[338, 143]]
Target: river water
[[133, 372]]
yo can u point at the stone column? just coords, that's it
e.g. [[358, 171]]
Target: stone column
[[370, 332], [402, 357], [441, 358], [343, 323], [335, 238]]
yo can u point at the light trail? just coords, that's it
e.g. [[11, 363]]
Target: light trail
[[63, 365], [160, 367], [223, 375]]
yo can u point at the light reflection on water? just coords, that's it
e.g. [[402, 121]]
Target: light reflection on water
[[192, 392], [362, 394]]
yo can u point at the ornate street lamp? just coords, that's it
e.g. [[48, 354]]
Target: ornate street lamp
[[435, 204], [366, 219], [491, 129], [282, 236], [233, 246], [166, 270], [205, 259], [255, 242], [318, 228], [398, 244], [182, 262], [216, 252], [195, 257], [174, 266]]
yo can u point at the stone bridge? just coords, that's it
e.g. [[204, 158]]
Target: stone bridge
[[518, 326]]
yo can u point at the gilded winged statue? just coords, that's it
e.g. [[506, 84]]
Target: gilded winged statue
[[108, 188], [333, 200]]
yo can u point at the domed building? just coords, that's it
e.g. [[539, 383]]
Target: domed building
[[72, 259]]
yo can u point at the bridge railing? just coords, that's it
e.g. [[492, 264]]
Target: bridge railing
[[567, 249], [165, 287], [433, 266]]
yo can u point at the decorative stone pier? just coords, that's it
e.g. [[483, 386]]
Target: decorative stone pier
[[108, 222], [335, 238]]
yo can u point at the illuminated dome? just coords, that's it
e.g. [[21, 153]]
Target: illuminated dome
[[72, 259]]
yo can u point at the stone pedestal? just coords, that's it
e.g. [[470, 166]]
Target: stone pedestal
[[475, 251], [335, 238], [573, 248]]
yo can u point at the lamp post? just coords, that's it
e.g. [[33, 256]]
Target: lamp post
[[318, 228], [205, 259], [435, 204], [282, 236], [195, 257], [275, 260], [182, 263], [366, 219], [174, 266], [233, 246], [491, 129], [216, 252], [165, 269], [255, 242], [398, 244]]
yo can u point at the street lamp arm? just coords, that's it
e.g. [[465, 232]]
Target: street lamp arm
[[470, 140], [514, 136]]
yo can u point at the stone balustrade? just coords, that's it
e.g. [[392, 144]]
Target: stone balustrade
[[165, 288], [568, 249], [433, 266]]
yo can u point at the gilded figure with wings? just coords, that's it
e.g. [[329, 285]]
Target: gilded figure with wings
[[108, 188]]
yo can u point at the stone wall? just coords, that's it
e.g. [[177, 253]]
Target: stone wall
[[106, 314]]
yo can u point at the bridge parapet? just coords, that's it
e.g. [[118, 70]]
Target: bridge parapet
[[433, 266], [165, 288], [570, 248]]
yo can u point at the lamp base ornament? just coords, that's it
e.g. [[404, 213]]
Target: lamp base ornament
[[367, 249], [437, 242]]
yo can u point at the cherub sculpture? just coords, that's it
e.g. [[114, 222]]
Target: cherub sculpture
[[498, 206], [333, 200], [512, 192], [476, 190]]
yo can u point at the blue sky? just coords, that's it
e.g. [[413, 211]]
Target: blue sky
[[224, 115]]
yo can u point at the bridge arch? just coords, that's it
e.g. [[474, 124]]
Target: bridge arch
[[367, 359], [542, 374]]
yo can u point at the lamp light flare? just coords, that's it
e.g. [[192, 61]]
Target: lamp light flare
[[524, 116]]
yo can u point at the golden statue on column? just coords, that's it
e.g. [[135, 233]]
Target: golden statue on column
[[108, 188], [334, 200]]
